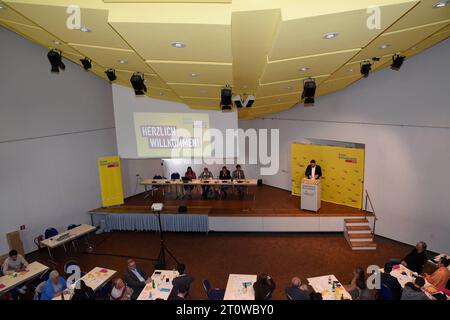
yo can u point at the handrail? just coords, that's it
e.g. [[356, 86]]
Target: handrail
[[369, 201]]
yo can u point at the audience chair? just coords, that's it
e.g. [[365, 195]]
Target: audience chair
[[386, 293], [213, 293]]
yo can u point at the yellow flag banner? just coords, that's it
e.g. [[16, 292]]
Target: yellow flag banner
[[110, 181], [342, 172]]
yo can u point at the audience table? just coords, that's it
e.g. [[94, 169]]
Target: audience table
[[240, 287], [434, 261], [404, 275], [162, 281], [67, 236], [197, 182], [324, 285], [96, 279], [11, 281]]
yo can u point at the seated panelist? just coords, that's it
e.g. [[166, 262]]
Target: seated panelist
[[313, 171]]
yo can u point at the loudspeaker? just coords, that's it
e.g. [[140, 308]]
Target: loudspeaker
[[182, 209], [260, 183]]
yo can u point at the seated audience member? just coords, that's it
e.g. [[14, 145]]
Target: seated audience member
[[83, 292], [181, 293], [135, 278], [413, 291], [15, 262], [357, 288], [190, 174], [120, 291], [224, 175], [440, 277], [297, 290], [316, 296], [182, 279], [205, 175], [391, 282], [264, 287], [54, 286], [238, 174], [416, 259]]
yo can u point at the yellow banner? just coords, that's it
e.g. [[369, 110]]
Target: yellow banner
[[110, 181], [342, 172]]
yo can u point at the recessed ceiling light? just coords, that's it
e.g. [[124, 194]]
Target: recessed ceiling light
[[385, 46], [56, 42], [194, 74], [85, 29], [350, 70], [1, 8], [288, 88], [414, 48], [441, 4], [178, 45], [279, 99], [121, 61], [330, 35], [303, 69]]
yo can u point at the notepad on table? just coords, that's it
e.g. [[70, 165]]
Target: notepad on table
[[164, 290]]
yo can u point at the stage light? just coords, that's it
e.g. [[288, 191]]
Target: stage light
[[365, 69], [137, 81], [111, 74], [225, 98], [397, 62], [54, 56], [309, 90], [87, 63]]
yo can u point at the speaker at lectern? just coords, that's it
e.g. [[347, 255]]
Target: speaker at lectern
[[310, 194]]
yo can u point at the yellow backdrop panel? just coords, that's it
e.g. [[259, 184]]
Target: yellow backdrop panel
[[342, 172], [110, 181]]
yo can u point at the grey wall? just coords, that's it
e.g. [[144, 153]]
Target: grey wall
[[403, 119], [52, 130]]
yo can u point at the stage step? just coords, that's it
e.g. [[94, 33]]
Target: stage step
[[363, 245], [356, 237], [358, 229], [356, 222]]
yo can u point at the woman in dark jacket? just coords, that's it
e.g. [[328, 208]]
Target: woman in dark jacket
[[83, 292], [264, 287]]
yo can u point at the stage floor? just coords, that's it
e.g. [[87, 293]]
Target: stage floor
[[261, 201]]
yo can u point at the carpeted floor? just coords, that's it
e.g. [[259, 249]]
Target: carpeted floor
[[216, 255]]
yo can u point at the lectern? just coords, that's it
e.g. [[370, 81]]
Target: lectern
[[310, 194]]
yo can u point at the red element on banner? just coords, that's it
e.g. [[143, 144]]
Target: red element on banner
[[351, 160], [113, 165]]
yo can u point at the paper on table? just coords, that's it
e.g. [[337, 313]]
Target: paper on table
[[104, 270], [2, 286]]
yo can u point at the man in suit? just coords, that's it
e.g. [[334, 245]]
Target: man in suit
[[238, 174], [391, 282], [313, 171], [297, 290], [182, 280], [135, 278]]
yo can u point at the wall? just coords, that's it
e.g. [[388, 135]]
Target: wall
[[403, 118], [52, 130]]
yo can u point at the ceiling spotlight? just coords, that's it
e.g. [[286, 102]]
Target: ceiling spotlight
[[397, 62], [441, 4], [56, 42], [288, 88], [385, 46], [303, 69], [121, 61], [137, 81], [87, 63], [85, 29], [239, 103], [330, 35], [54, 56], [1, 8], [309, 90], [178, 45], [194, 74], [111, 74], [225, 98], [365, 69]]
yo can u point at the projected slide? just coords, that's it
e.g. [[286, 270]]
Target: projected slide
[[165, 135]]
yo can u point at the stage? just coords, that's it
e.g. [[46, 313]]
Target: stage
[[265, 208]]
